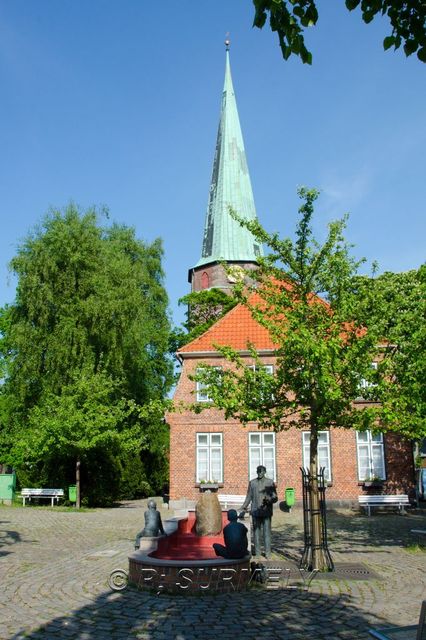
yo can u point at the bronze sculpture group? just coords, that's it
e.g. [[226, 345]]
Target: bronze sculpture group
[[261, 495]]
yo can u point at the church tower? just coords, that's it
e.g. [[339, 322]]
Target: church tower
[[230, 187]]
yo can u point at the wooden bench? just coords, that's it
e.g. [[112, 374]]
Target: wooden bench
[[53, 494], [233, 500], [413, 632], [399, 501]]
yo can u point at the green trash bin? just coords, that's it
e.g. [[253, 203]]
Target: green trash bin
[[72, 493], [7, 487], [289, 497]]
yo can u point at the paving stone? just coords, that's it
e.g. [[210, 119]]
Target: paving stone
[[55, 576]]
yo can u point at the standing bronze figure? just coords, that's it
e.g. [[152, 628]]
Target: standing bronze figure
[[261, 494]]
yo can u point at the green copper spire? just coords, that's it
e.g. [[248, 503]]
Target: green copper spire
[[224, 238]]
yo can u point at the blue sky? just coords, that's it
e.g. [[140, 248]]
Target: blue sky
[[117, 103]]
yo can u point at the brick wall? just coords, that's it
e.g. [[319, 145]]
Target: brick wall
[[288, 449]]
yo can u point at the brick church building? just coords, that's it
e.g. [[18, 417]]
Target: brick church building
[[206, 447]]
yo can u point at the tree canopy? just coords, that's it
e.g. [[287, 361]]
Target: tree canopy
[[290, 18], [398, 314], [85, 344], [303, 296]]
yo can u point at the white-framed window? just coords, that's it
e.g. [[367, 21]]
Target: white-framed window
[[262, 451], [202, 390], [269, 368], [366, 384], [324, 458], [371, 455], [209, 457], [260, 391]]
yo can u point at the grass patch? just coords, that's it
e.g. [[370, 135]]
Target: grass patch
[[27, 566], [416, 547]]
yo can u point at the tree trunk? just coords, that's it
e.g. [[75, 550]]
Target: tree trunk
[[318, 559], [77, 483]]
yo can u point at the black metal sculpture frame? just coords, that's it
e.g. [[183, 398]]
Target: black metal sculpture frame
[[306, 561]]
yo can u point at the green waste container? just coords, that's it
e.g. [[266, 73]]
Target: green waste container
[[290, 497], [7, 487], [72, 493]]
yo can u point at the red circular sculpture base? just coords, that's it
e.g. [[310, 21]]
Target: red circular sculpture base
[[185, 563]]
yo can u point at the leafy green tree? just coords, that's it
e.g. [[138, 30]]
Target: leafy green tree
[[399, 314], [4, 400], [303, 297], [4, 330], [90, 304], [289, 18], [86, 416]]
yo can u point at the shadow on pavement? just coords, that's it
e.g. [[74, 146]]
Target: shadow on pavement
[[350, 531], [274, 614], [378, 531], [7, 538]]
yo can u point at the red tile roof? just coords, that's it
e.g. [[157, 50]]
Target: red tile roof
[[235, 329]]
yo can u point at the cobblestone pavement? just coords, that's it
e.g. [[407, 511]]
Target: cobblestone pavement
[[54, 567]]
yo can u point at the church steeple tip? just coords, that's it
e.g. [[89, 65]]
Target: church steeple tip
[[230, 188]]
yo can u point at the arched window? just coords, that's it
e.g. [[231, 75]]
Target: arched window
[[205, 280]]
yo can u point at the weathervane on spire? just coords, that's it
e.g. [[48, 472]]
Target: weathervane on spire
[[227, 41]]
